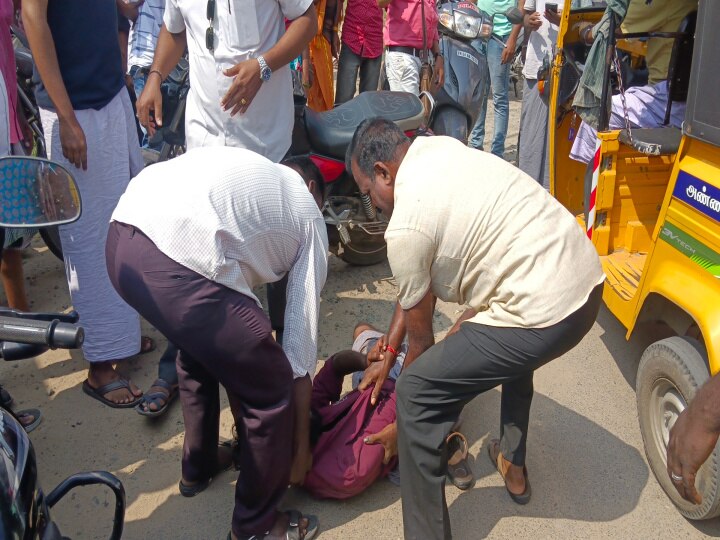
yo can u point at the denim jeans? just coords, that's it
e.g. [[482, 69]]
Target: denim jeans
[[499, 78], [349, 65]]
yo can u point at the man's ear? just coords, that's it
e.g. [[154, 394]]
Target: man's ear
[[382, 173], [312, 186]]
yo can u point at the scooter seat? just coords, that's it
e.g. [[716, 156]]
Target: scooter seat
[[330, 132]]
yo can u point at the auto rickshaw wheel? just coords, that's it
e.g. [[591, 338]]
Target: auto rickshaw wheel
[[670, 373]]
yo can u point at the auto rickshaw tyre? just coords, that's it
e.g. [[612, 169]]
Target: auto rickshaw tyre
[[670, 373], [51, 237]]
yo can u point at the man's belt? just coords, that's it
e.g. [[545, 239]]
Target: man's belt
[[412, 51]]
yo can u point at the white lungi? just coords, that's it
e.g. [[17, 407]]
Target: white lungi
[[112, 328]]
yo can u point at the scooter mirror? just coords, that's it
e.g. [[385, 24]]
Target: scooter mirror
[[514, 15], [36, 192]]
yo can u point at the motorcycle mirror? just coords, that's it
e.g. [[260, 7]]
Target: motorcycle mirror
[[36, 192], [514, 15]]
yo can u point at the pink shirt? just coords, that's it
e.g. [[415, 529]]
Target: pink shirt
[[7, 67], [403, 26]]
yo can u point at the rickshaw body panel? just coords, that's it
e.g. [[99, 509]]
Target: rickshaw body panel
[[647, 236]]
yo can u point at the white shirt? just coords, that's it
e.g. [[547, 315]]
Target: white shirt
[[244, 29], [542, 40], [240, 220], [487, 236]]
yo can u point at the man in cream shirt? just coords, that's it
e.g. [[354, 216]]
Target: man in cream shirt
[[468, 227]]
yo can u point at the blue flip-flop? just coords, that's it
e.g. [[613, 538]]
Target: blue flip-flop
[[143, 408], [36, 413]]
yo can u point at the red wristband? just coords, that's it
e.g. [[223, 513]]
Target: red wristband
[[391, 349]]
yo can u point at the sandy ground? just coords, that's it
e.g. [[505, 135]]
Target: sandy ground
[[589, 474]]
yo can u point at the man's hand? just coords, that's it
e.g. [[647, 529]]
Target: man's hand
[[439, 72], [74, 145], [150, 101], [301, 465], [692, 439], [129, 10], [388, 438], [509, 50], [381, 362], [245, 85], [533, 21], [553, 17]]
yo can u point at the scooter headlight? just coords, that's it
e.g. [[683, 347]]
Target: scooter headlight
[[446, 19], [466, 25]]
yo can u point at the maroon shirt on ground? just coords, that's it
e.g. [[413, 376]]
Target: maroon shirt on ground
[[362, 29]]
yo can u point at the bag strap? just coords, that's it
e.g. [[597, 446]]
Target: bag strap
[[424, 54]]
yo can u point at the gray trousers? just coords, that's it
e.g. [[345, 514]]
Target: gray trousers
[[433, 390]]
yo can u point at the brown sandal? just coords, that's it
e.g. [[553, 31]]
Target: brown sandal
[[502, 466], [458, 468]]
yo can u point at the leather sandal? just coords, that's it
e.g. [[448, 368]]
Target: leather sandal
[[458, 468], [502, 467]]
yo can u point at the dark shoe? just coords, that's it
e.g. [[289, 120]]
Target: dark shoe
[[497, 460], [24, 417], [458, 468], [193, 489]]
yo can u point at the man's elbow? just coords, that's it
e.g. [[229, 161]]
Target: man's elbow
[[311, 23]]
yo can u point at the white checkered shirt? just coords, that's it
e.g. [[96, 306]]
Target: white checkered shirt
[[240, 220]]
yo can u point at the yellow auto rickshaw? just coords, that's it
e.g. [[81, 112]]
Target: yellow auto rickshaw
[[650, 201]]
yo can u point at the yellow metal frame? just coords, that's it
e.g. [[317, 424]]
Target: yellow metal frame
[[630, 188]]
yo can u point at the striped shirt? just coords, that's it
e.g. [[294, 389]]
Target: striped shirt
[[144, 33], [240, 220]]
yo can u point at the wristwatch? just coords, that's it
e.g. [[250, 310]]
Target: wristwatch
[[265, 71]]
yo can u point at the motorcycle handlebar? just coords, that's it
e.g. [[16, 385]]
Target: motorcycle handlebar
[[54, 334]]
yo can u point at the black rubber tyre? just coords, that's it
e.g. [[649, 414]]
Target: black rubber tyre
[[451, 122], [51, 237], [365, 255], [669, 375]]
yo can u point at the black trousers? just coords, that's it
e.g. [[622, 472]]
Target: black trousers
[[224, 338], [433, 390]]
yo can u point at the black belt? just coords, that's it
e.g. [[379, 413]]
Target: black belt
[[412, 51]]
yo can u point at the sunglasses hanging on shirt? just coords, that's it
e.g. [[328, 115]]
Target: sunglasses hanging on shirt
[[210, 33]]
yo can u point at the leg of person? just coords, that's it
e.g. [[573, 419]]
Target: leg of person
[[433, 390], [277, 299], [370, 74], [499, 80], [403, 72], [532, 153], [477, 135], [347, 74], [13, 279], [223, 336], [112, 328]]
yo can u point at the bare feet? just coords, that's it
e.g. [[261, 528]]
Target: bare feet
[[102, 373], [154, 401]]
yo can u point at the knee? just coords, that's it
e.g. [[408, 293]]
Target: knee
[[360, 328]]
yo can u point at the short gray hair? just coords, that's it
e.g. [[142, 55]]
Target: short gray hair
[[375, 139]]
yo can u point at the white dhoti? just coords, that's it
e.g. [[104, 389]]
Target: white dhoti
[[645, 109], [112, 328]]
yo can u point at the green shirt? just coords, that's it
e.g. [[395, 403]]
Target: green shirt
[[501, 27]]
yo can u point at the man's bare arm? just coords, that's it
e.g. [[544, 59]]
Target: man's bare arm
[[169, 50], [418, 321]]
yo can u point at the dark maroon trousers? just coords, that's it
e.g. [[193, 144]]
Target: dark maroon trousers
[[224, 338]]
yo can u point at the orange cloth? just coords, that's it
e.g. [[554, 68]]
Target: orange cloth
[[321, 95]]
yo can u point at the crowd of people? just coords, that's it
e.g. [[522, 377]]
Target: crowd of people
[[186, 243]]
